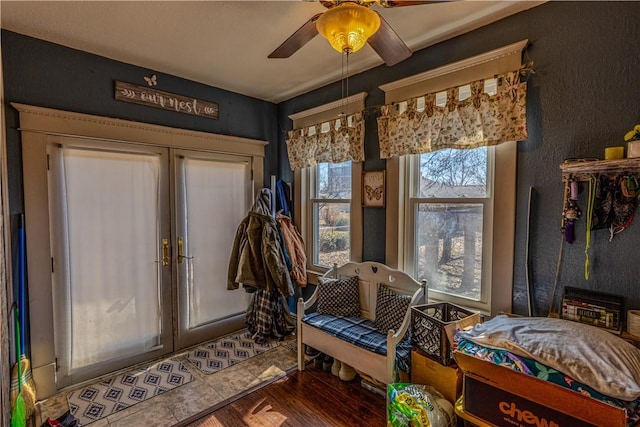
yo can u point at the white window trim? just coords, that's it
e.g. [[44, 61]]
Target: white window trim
[[499, 234], [502, 235], [487, 228], [303, 208]]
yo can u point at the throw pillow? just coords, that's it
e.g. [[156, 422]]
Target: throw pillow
[[339, 297], [391, 307]]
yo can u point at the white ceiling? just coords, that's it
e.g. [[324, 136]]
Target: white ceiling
[[225, 43]]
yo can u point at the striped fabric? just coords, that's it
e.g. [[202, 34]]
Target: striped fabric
[[361, 332]]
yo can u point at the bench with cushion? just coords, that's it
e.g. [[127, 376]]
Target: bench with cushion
[[362, 318]]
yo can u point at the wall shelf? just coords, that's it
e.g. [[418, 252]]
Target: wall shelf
[[583, 170]]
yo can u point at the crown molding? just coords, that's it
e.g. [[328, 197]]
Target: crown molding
[[66, 123], [359, 97], [457, 66]]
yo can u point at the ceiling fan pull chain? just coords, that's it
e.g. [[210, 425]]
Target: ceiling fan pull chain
[[345, 81], [342, 85], [347, 54]]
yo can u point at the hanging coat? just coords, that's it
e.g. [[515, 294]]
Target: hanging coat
[[295, 248], [268, 316], [256, 258], [257, 262], [282, 198]]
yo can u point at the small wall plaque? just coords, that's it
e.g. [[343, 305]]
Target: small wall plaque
[[142, 95], [373, 189]]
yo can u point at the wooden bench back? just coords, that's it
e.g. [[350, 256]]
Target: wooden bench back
[[370, 274]]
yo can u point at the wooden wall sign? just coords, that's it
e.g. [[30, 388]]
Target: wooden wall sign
[[128, 92]]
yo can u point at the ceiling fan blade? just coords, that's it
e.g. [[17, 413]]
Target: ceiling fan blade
[[400, 3], [388, 44], [298, 39]]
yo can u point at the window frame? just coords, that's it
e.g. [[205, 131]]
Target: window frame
[[500, 265], [314, 200], [488, 203], [305, 198], [304, 180]]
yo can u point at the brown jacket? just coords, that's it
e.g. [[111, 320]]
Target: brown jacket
[[256, 258], [295, 248]]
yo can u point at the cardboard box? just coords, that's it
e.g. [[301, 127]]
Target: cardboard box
[[446, 379], [465, 416], [503, 397]]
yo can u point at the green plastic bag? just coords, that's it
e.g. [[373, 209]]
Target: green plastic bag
[[19, 413], [415, 405]]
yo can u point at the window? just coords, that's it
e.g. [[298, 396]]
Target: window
[[450, 210], [329, 214], [327, 196], [331, 210], [451, 215], [458, 228]]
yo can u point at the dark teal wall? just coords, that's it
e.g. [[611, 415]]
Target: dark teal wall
[[49, 75], [584, 97]]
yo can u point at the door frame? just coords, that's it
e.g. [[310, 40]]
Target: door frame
[[37, 125]]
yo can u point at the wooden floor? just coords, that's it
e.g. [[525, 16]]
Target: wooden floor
[[312, 398]]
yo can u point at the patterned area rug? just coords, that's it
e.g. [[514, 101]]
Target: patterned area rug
[[107, 397], [227, 351]]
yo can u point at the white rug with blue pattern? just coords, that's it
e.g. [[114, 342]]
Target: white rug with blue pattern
[[227, 351], [102, 399]]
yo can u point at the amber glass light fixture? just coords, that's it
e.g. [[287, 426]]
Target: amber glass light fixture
[[347, 26]]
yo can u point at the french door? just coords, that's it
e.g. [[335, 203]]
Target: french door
[[140, 242], [212, 195]]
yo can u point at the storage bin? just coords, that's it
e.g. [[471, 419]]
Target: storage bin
[[427, 328]]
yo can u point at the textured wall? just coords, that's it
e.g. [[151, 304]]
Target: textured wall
[[583, 98], [49, 75]]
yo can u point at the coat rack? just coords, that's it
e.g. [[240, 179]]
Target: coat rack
[[273, 196]]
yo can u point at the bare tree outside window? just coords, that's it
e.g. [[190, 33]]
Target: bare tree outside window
[[449, 220], [454, 173]]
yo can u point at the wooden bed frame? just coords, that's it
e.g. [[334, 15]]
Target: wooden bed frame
[[378, 366]]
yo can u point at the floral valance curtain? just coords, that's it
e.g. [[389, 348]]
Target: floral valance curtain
[[480, 120], [342, 141]]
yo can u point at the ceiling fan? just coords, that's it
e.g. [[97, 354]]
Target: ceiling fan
[[378, 33]]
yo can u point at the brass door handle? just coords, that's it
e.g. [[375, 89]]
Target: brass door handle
[[181, 255], [165, 252]]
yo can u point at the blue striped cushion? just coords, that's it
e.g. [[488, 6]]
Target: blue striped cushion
[[361, 332]]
